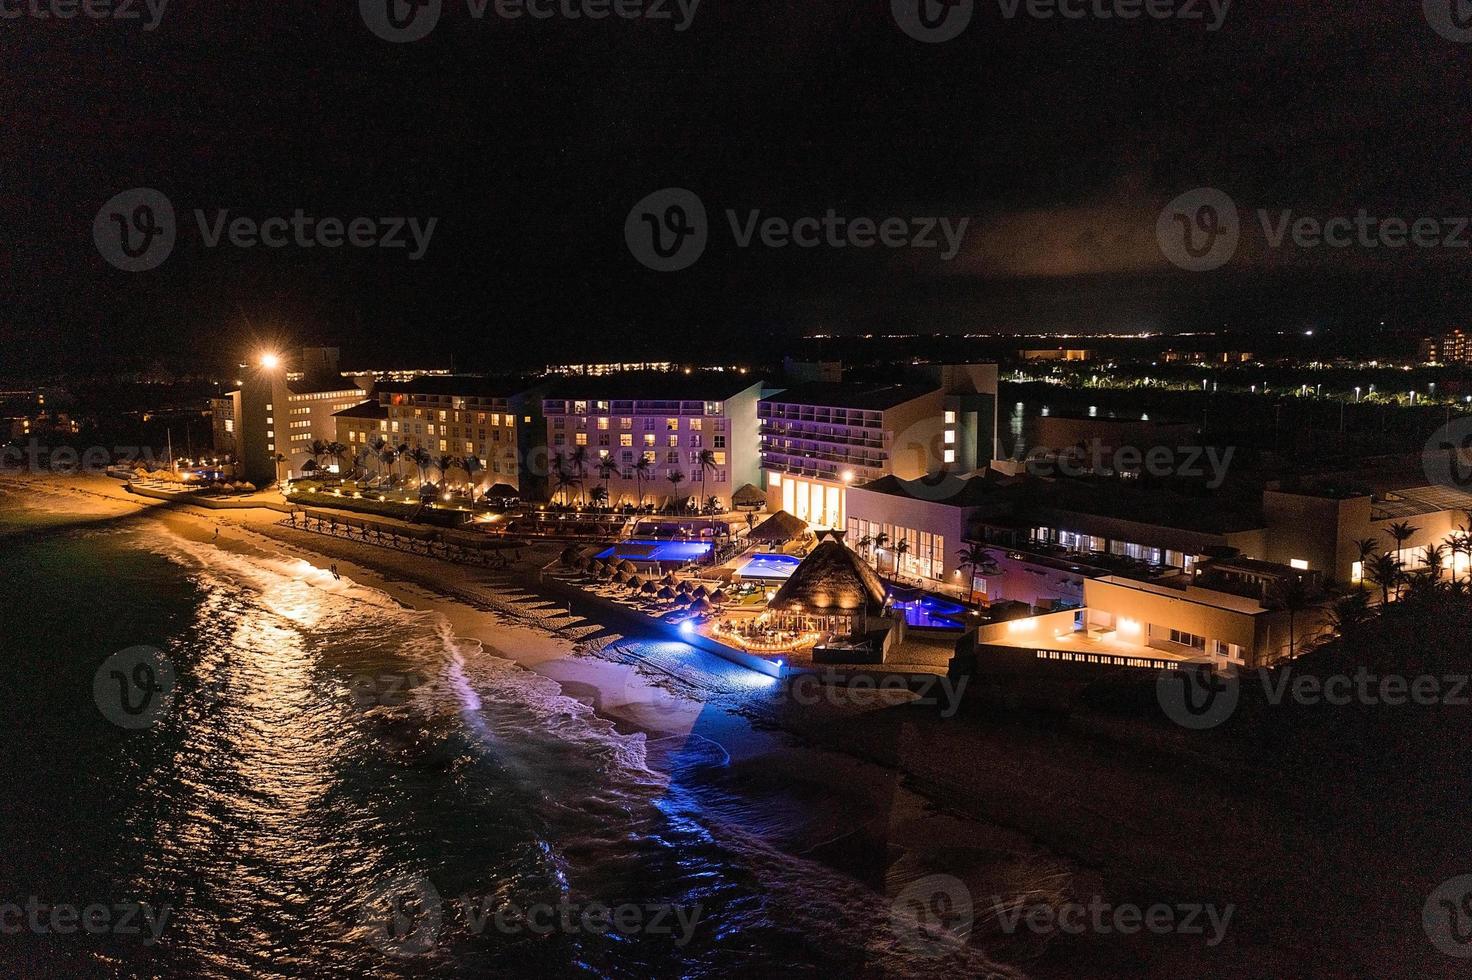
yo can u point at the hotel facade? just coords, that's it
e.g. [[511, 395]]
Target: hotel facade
[[499, 422], [819, 440], [650, 426], [281, 409]]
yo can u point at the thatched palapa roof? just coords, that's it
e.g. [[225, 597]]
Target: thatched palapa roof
[[781, 526], [748, 496], [833, 579]]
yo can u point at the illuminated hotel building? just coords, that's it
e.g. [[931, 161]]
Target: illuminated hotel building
[[668, 420], [820, 439], [498, 421], [282, 409]]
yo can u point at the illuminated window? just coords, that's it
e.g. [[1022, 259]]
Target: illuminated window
[[649, 439], [950, 456], [672, 424], [1299, 564], [950, 418], [950, 437], [603, 424], [581, 439], [626, 440]]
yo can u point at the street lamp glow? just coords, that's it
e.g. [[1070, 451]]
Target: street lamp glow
[[270, 362]]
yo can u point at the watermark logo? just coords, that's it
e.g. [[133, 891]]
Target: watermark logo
[[830, 687], [1199, 230], [135, 230], [119, 10], [1452, 19], [933, 21], [99, 919], [931, 446], [401, 21], [1447, 917], [404, 916], [1447, 457], [134, 688], [386, 689], [668, 230], [1102, 918], [1196, 696], [933, 915]]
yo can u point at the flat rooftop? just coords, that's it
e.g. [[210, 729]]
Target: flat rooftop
[[865, 397]]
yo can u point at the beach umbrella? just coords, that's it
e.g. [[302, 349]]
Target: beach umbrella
[[621, 577], [636, 582], [683, 600], [605, 572], [670, 579], [700, 592], [667, 593], [702, 607], [684, 586], [719, 597], [628, 566], [649, 588]]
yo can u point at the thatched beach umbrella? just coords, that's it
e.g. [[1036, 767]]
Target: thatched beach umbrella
[[683, 600], [649, 588], [636, 582], [719, 597], [700, 592], [684, 586], [667, 593], [702, 607], [670, 578], [628, 566]]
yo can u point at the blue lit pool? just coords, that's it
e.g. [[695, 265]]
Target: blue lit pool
[[768, 566], [932, 613], [637, 549]]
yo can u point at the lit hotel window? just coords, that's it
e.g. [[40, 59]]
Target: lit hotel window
[[950, 437], [950, 456], [1299, 564], [950, 418]]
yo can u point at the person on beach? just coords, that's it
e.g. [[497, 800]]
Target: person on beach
[[335, 572]]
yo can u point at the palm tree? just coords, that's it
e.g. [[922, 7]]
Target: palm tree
[[563, 482], [423, 461], [318, 451], [389, 456], [865, 543], [643, 470], [1350, 612], [607, 467], [881, 540], [705, 462], [1292, 595], [977, 559], [361, 459], [445, 464], [901, 548], [1434, 555], [712, 504], [676, 478], [580, 467], [403, 452], [1401, 531], [339, 452], [599, 496], [472, 465], [276, 460], [1385, 571]]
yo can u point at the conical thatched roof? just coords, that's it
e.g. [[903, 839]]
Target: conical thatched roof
[[719, 597], [628, 566], [781, 526], [667, 593], [748, 496], [503, 491], [833, 579], [636, 581], [683, 600], [649, 588], [702, 607]]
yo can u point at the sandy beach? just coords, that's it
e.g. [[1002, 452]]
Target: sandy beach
[[1008, 803]]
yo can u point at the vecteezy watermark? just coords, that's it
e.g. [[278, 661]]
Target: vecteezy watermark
[[1452, 19], [1202, 229], [935, 21], [401, 21], [1157, 461], [32, 457], [1447, 457], [119, 10], [1103, 918], [134, 688], [668, 231], [933, 915], [405, 917], [387, 689], [98, 919], [1196, 696], [839, 690], [136, 231], [1447, 917]]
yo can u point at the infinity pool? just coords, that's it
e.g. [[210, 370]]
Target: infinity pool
[[637, 549], [768, 566], [932, 613]]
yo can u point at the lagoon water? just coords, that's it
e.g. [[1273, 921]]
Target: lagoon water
[[327, 752]]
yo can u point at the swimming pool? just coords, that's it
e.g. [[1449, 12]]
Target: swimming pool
[[768, 566], [637, 549], [932, 613]]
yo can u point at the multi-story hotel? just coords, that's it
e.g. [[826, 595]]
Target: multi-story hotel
[[820, 439], [1452, 347], [498, 421], [700, 429], [281, 409]]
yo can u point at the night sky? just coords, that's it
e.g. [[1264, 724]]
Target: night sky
[[530, 140]]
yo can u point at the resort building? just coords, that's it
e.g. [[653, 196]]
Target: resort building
[[280, 410], [661, 438], [496, 421], [820, 439]]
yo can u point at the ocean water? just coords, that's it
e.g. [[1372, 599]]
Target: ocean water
[[336, 786]]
